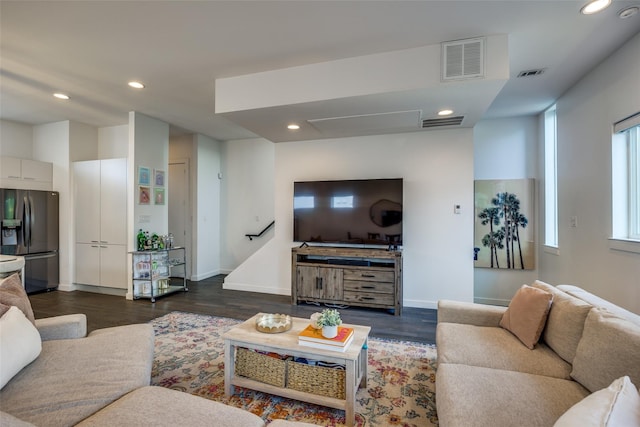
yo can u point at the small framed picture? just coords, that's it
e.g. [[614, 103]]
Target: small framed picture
[[144, 176], [158, 196], [158, 178], [144, 195]]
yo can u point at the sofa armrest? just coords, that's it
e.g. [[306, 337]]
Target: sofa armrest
[[62, 327], [469, 313], [8, 420]]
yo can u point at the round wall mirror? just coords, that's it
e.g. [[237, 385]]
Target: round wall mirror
[[386, 213]]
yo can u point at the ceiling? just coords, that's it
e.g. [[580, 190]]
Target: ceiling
[[91, 49]]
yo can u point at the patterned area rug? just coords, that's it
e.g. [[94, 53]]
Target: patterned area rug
[[189, 356]]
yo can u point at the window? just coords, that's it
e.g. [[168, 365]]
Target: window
[[342, 202], [303, 202], [550, 178], [626, 179]]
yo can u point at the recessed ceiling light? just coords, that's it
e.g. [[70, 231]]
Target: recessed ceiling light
[[445, 112], [628, 12], [293, 126], [61, 96], [136, 85], [594, 6]]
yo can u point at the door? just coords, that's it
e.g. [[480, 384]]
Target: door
[[88, 264], [113, 266], [331, 283], [10, 220], [41, 272], [307, 282], [113, 201], [86, 180], [42, 223], [179, 213], [320, 283]]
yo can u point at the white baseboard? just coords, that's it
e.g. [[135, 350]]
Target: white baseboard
[[492, 301], [202, 276], [67, 287], [101, 290], [259, 289], [420, 304]]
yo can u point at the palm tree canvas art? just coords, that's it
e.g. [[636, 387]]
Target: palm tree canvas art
[[503, 234]]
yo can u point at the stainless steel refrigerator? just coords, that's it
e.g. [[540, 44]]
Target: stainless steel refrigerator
[[29, 228]]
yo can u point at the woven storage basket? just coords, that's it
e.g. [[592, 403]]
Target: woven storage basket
[[316, 380], [260, 367]]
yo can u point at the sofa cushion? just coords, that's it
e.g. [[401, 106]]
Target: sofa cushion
[[13, 294], [20, 344], [73, 378], [492, 347], [596, 301], [527, 314], [485, 397], [565, 321], [616, 405], [609, 349], [158, 406]]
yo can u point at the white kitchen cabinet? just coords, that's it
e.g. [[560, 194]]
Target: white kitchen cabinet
[[101, 201], [100, 194], [25, 174], [86, 178], [101, 265]]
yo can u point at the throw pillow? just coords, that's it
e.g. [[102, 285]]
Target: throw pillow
[[609, 349], [527, 313], [616, 405], [20, 344], [12, 293]]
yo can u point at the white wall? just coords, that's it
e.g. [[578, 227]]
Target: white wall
[[16, 139], [586, 113], [206, 230], [247, 198], [437, 167], [151, 149], [505, 149], [113, 142], [204, 157], [148, 147], [182, 149]]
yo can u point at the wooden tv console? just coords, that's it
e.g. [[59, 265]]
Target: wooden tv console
[[347, 276]]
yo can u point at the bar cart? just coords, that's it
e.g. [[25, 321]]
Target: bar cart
[[155, 275]]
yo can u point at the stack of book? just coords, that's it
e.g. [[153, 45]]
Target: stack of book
[[312, 337]]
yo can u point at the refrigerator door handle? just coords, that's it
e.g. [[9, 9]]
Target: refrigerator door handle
[[27, 214], [31, 217], [43, 256], [25, 221]]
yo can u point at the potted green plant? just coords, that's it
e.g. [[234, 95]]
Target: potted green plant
[[329, 320]]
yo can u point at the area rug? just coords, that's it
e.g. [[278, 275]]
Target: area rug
[[189, 356]]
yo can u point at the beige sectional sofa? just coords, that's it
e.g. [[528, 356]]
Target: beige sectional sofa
[[487, 377], [100, 379]]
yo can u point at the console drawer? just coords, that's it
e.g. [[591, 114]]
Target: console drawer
[[369, 275], [362, 286], [369, 298]]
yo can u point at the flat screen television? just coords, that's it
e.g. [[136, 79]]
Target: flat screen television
[[353, 212]]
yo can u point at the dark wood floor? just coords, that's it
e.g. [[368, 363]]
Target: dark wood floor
[[208, 297]]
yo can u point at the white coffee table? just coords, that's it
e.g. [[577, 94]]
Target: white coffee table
[[354, 359]]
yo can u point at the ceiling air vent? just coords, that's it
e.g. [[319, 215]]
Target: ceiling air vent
[[446, 121], [463, 59], [531, 73]]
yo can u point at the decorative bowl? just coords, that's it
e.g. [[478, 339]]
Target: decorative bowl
[[273, 323]]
